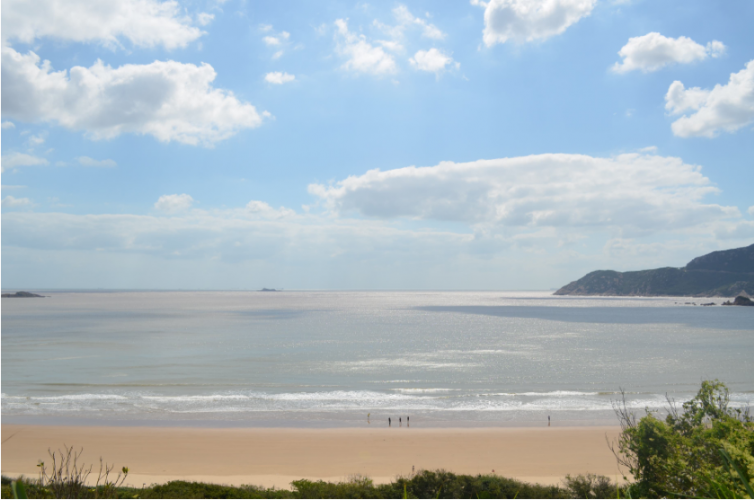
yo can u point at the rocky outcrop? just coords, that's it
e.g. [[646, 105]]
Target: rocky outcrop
[[740, 301]]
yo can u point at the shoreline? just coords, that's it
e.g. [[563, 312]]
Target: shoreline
[[275, 456]]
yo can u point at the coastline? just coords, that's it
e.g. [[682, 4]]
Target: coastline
[[276, 456]]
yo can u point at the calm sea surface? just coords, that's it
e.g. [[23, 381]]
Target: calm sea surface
[[332, 358]]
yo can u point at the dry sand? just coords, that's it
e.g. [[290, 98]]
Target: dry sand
[[275, 457]]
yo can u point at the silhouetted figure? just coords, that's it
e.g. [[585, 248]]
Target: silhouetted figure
[[400, 423], [407, 422], [389, 422], [548, 420]]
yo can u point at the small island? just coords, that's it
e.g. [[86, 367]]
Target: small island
[[269, 290], [725, 273], [21, 295]]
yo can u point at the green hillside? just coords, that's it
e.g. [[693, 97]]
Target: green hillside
[[718, 274]]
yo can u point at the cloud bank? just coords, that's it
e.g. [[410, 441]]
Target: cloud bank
[[644, 193]]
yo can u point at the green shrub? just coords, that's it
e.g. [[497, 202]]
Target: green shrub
[[680, 456], [591, 486]]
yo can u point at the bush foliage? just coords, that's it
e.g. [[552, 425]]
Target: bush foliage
[[681, 456]]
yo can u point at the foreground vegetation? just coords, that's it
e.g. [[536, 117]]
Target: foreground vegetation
[[426, 484], [702, 450]]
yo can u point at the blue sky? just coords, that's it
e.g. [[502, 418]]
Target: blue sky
[[509, 144]]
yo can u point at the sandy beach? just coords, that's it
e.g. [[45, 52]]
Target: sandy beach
[[275, 457]]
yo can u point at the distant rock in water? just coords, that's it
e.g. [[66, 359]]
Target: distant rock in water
[[20, 295], [740, 301], [718, 274], [269, 290]]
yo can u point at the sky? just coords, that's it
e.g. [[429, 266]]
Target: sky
[[482, 145]]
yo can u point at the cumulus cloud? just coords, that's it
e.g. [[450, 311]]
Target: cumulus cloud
[[432, 60], [168, 100], [654, 51], [173, 203], [528, 20], [12, 202], [631, 191], [726, 107], [751, 210], [13, 160], [278, 78], [145, 23], [91, 162], [361, 56], [8, 125]]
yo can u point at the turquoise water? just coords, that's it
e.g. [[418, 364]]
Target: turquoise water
[[332, 358]]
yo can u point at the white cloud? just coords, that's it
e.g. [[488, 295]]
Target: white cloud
[[13, 160], [529, 20], [204, 18], [361, 56], [278, 41], [12, 202], [173, 203], [8, 125], [654, 51], [91, 162], [431, 60], [726, 107], [751, 210], [405, 19], [262, 208], [632, 192], [169, 100], [226, 248], [36, 140], [279, 78], [145, 23]]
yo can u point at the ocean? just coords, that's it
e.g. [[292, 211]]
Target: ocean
[[329, 359]]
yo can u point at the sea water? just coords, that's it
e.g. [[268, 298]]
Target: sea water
[[320, 358]]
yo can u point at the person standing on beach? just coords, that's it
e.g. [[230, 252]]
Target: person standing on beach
[[389, 422], [400, 423], [407, 421], [548, 420]]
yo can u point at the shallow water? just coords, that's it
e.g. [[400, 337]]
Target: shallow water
[[332, 358]]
